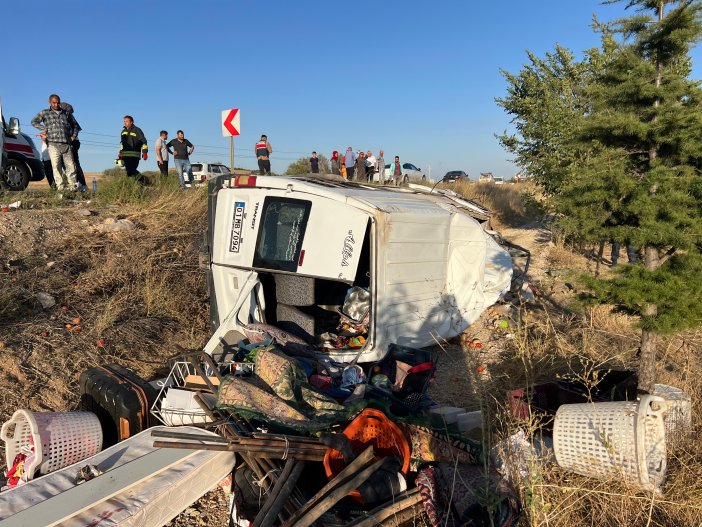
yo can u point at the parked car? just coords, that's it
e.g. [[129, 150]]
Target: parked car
[[274, 257], [203, 171], [20, 161], [453, 176], [498, 180], [486, 177], [409, 171]]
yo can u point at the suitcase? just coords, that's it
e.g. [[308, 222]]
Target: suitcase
[[120, 399]]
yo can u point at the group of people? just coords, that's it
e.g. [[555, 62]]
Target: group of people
[[59, 134], [133, 146], [360, 166], [354, 166], [181, 149], [363, 167]]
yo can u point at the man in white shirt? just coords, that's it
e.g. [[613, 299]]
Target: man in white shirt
[[371, 165], [162, 153]]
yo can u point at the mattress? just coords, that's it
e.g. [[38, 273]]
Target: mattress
[[140, 486]]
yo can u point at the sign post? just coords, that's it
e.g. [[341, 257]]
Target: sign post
[[231, 126]]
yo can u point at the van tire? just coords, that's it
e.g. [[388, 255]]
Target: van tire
[[15, 176]]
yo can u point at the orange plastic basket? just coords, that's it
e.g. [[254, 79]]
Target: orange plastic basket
[[370, 427]]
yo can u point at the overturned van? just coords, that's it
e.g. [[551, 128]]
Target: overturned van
[[291, 251]]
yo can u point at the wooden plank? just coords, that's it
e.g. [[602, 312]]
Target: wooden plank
[[260, 451], [350, 469], [59, 508], [406, 501], [338, 493]]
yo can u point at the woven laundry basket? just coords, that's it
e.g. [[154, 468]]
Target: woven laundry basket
[[615, 440], [59, 439]]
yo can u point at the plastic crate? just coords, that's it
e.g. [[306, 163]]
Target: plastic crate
[[542, 401], [619, 440], [59, 439]]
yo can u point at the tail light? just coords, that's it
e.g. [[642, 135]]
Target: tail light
[[203, 178], [245, 181]]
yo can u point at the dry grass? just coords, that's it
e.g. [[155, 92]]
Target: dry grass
[[138, 293], [550, 345], [512, 204]]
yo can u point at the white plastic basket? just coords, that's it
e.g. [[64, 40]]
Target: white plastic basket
[[613, 440], [58, 439]]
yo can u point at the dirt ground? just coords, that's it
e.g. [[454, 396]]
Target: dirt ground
[[138, 295]]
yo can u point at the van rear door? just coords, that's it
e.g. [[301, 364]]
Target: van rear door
[[295, 232]]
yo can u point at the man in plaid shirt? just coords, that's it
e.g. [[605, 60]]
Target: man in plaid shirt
[[59, 128]]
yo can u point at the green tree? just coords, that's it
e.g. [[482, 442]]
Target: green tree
[[616, 142], [645, 124], [547, 101], [302, 166]]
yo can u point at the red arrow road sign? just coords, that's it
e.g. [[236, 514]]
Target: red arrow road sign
[[231, 122]]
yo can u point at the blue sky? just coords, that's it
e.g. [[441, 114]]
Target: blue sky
[[416, 78]]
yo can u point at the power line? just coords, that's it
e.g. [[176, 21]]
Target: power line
[[217, 147]]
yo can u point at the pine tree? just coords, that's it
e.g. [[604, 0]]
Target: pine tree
[[640, 181], [547, 102]]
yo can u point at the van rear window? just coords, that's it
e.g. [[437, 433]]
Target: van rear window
[[281, 232]]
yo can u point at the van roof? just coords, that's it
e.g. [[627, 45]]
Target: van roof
[[379, 197]]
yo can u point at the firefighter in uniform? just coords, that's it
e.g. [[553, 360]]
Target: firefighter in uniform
[[133, 145], [263, 150]]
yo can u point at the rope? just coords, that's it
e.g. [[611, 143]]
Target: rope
[[287, 448], [259, 482]]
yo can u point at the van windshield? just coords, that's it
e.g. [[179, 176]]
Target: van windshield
[[282, 230]]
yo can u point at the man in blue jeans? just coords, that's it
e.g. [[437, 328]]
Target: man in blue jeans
[[182, 148]]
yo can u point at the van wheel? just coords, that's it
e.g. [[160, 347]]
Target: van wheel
[[16, 176]]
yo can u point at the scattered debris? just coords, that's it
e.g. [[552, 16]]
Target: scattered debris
[[46, 300], [113, 225]]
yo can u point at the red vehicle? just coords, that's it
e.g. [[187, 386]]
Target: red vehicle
[[21, 161]]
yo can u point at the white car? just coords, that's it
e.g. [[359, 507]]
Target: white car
[[409, 171], [203, 171], [423, 260]]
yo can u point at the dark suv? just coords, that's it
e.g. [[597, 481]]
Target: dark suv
[[455, 175]]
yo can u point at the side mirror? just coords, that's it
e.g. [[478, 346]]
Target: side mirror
[[14, 127]]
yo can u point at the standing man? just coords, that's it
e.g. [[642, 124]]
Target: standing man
[[396, 171], [371, 165], [263, 151], [314, 163], [182, 148], [133, 144], [381, 168], [59, 129], [162, 153], [350, 163], [75, 146], [46, 161]]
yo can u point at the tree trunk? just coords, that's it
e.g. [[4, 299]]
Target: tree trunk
[[649, 340]]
